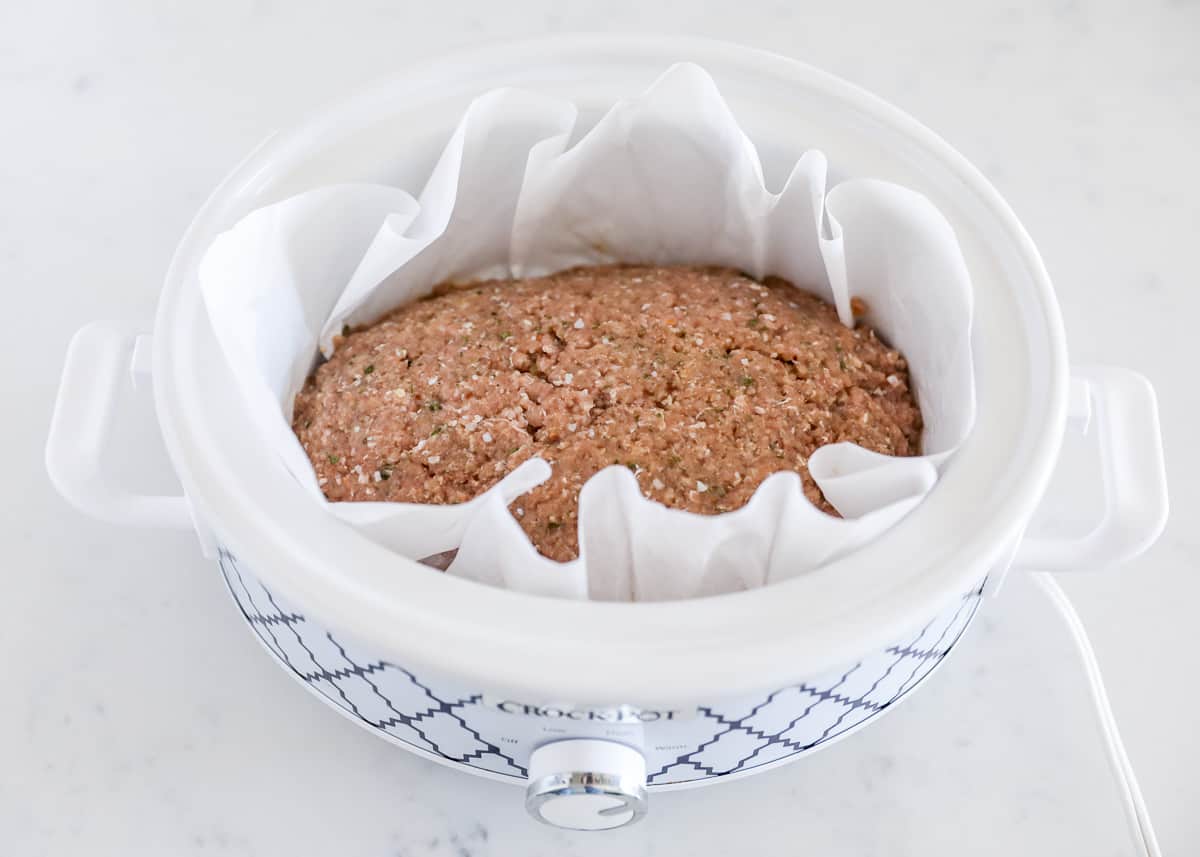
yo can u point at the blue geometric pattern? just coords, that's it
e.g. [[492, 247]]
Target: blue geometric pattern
[[383, 695], [797, 718], [723, 738]]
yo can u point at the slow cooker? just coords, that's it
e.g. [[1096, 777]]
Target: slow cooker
[[590, 706]]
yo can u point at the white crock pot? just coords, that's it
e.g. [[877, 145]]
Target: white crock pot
[[590, 704]]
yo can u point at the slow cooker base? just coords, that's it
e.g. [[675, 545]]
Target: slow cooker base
[[483, 734]]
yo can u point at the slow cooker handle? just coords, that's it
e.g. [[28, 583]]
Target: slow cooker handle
[[97, 359], [1124, 411]]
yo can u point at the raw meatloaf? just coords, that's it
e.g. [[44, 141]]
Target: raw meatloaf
[[702, 381]]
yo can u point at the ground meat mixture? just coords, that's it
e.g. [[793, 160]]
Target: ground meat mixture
[[702, 381]]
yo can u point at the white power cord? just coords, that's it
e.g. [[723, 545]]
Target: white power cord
[[1135, 806]]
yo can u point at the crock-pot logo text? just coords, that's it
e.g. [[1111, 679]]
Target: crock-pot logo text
[[621, 714]]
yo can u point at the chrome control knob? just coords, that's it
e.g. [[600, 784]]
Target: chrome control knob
[[586, 784]]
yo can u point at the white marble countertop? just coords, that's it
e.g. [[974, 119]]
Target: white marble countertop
[[121, 116]]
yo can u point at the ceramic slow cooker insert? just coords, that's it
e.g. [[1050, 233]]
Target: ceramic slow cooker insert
[[590, 705]]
